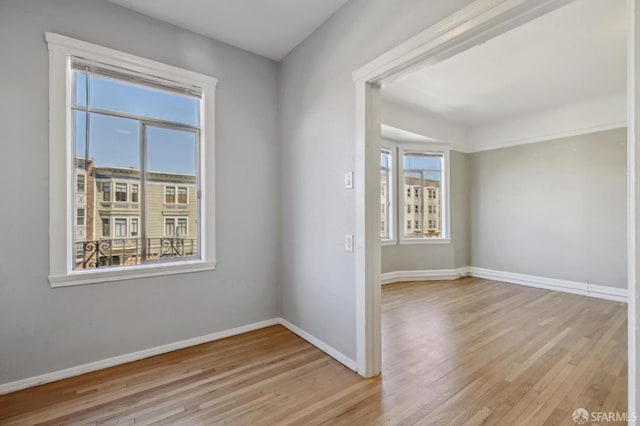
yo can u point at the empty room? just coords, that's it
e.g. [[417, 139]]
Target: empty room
[[351, 212]]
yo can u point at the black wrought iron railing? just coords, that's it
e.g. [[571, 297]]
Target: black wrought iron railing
[[129, 251]]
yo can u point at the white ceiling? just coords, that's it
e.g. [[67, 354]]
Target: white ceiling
[[270, 28], [570, 55]]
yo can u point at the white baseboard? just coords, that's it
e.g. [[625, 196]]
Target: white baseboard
[[134, 356], [574, 287], [428, 275], [145, 353], [331, 351]]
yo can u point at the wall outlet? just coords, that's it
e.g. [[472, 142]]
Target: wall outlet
[[348, 180], [348, 242]]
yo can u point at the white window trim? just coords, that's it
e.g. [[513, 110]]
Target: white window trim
[[62, 165], [113, 226], [393, 208], [445, 189]]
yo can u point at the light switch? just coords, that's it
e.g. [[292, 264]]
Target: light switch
[[348, 180], [348, 242]]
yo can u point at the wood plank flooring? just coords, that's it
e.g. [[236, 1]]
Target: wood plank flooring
[[462, 352]]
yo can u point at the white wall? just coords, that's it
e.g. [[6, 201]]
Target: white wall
[[44, 329], [317, 106], [554, 209]]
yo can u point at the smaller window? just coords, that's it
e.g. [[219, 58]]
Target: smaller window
[[181, 228], [417, 225], [134, 193], [134, 227], [408, 192], [382, 228], [416, 208], [408, 208], [120, 227], [170, 195], [106, 191], [106, 228], [408, 224], [80, 217], [182, 195], [121, 192], [169, 226], [80, 183], [417, 192]]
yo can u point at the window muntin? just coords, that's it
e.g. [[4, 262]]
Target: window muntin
[[134, 227], [80, 183], [114, 123], [387, 193], [134, 192], [80, 217], [120, 227], [170, 195], [182, 195], [121, 192], [423, 177]]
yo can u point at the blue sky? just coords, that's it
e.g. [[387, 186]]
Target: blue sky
[[430, 164], [115, 141]]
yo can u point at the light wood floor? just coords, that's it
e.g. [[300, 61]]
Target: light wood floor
[[462, 352]]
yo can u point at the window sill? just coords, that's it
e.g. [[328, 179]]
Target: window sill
[[426, 241], [388, 242], [129, 273]]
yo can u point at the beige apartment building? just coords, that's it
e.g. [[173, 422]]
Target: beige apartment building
[[422, 207], [109, 216]]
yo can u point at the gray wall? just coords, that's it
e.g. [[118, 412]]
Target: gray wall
[[530, 206], [44, 329], [412, 257], [317, 122]]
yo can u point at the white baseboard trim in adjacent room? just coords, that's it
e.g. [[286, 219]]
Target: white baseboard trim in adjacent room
[[574, 287], [329, 350], [427, 275], [134, 356]]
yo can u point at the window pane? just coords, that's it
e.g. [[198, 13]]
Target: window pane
[[123, 97], [422, 183], [109, 160], [134, 193], [385, 194], [171, 188]]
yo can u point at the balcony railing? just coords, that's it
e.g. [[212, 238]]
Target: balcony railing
[[128, 251]]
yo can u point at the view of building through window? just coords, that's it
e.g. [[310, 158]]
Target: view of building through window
[[385, 195], [136, 171], [422, 178]]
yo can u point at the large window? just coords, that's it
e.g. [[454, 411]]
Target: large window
[[138, 143], [424, 177], [422, 204], [387, 156]]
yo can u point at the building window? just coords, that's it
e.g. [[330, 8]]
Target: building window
[[170, 195], [409, 192], [121, 192], [120, 228], [182, 195], [424, 175], [408, 224], [170, 226], [181, 228], [80, 217], [408, 208], [134, 193], [106, 191], [106, 228], [109, 108], [80, 183], [386, 195]]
